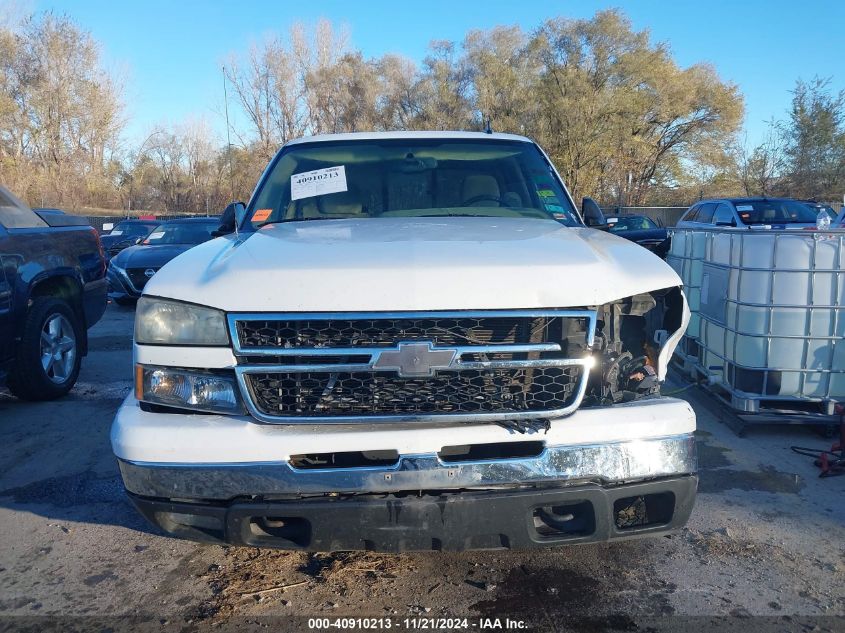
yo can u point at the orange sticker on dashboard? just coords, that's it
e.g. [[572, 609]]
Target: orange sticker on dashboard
[[261, 215]]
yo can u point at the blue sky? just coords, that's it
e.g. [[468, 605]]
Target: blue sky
[[171, 52]]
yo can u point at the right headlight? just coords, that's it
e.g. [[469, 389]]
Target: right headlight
[[166, 322]]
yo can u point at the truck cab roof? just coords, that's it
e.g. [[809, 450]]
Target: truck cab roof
[[422, 135]]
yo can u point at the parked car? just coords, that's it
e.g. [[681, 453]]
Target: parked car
[[412, 342], [749, 213], [642, 230], [52, 289], [839, 222], [131, 269], [125, 234]]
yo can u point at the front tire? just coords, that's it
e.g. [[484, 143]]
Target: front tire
[[48, 358]]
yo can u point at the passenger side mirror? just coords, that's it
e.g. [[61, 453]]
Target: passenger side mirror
[[593, 216], [232, 216]]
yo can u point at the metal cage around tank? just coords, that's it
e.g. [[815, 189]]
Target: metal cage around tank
[[767, 327]]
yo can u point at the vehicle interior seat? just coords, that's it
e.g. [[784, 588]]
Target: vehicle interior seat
[[771, 213], [480, 190], [344, 204]]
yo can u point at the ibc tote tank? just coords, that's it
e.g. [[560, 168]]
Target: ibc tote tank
[[767, 311]]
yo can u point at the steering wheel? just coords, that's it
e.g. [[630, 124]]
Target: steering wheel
[[484, 196]]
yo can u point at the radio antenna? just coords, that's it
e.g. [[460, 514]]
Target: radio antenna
[[229, 148]]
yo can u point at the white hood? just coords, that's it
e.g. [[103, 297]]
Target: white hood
[[393, 264]]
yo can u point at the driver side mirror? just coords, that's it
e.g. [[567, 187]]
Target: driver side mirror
[[232, 216], [593, 215]]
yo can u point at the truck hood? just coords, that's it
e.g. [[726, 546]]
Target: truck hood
[[393, 264]]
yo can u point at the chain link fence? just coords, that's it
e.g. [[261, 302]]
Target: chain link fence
[[664, 216]]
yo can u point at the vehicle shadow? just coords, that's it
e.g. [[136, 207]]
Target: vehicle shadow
[[56, 462]]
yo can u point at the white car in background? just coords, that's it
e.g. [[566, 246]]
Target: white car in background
[[412, 342], [749, 213]]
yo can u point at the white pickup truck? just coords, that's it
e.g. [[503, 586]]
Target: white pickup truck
[[411, 342]]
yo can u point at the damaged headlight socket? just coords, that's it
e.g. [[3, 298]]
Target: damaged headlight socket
[[188, 389], [629, 338]]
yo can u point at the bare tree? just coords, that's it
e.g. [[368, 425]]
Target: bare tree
[[62, 114]]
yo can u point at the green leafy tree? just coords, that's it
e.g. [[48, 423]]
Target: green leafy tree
[[619, 116], [815, 141]]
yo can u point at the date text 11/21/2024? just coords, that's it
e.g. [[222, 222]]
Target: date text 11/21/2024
[[417, 623]]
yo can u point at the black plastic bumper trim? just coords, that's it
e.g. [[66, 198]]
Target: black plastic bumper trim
[[439, 521]]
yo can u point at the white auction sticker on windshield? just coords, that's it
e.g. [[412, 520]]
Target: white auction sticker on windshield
[[318, 182], [745, 207], [155, 235]]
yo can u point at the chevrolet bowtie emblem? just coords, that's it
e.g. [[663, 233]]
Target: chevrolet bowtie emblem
[[412, 360]]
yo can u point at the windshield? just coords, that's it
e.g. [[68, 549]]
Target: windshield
[[632, 223], [181, 233], [132, 230], [774, 212], [411, 178]]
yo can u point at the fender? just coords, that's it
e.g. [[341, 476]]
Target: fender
[[65, 283]]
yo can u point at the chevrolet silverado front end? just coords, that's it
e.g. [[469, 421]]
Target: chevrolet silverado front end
[[453, 361]]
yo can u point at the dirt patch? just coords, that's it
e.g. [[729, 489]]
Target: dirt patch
[[570, 598], [250, 576], [342, 567], [586, 587], [724, 544], [767, 479], [710, 456], [243, 573], [96, 579]]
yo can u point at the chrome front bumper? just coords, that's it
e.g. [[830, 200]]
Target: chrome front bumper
[[606, 464]]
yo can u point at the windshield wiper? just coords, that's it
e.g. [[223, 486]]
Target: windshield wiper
[[454, 215]]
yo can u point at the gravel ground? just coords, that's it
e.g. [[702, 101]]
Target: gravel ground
[[763, 550]]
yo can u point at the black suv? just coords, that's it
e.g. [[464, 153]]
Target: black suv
[[52, 289]]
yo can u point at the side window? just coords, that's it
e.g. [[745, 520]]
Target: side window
[[15, 215], [691, 214], [724, 215], [705, 213]]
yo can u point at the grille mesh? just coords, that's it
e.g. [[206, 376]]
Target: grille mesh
[[322, 394], [387, 332]]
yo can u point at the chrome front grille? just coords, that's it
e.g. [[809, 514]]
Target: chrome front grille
[[385, 332], [413, 367], [383, 393]]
